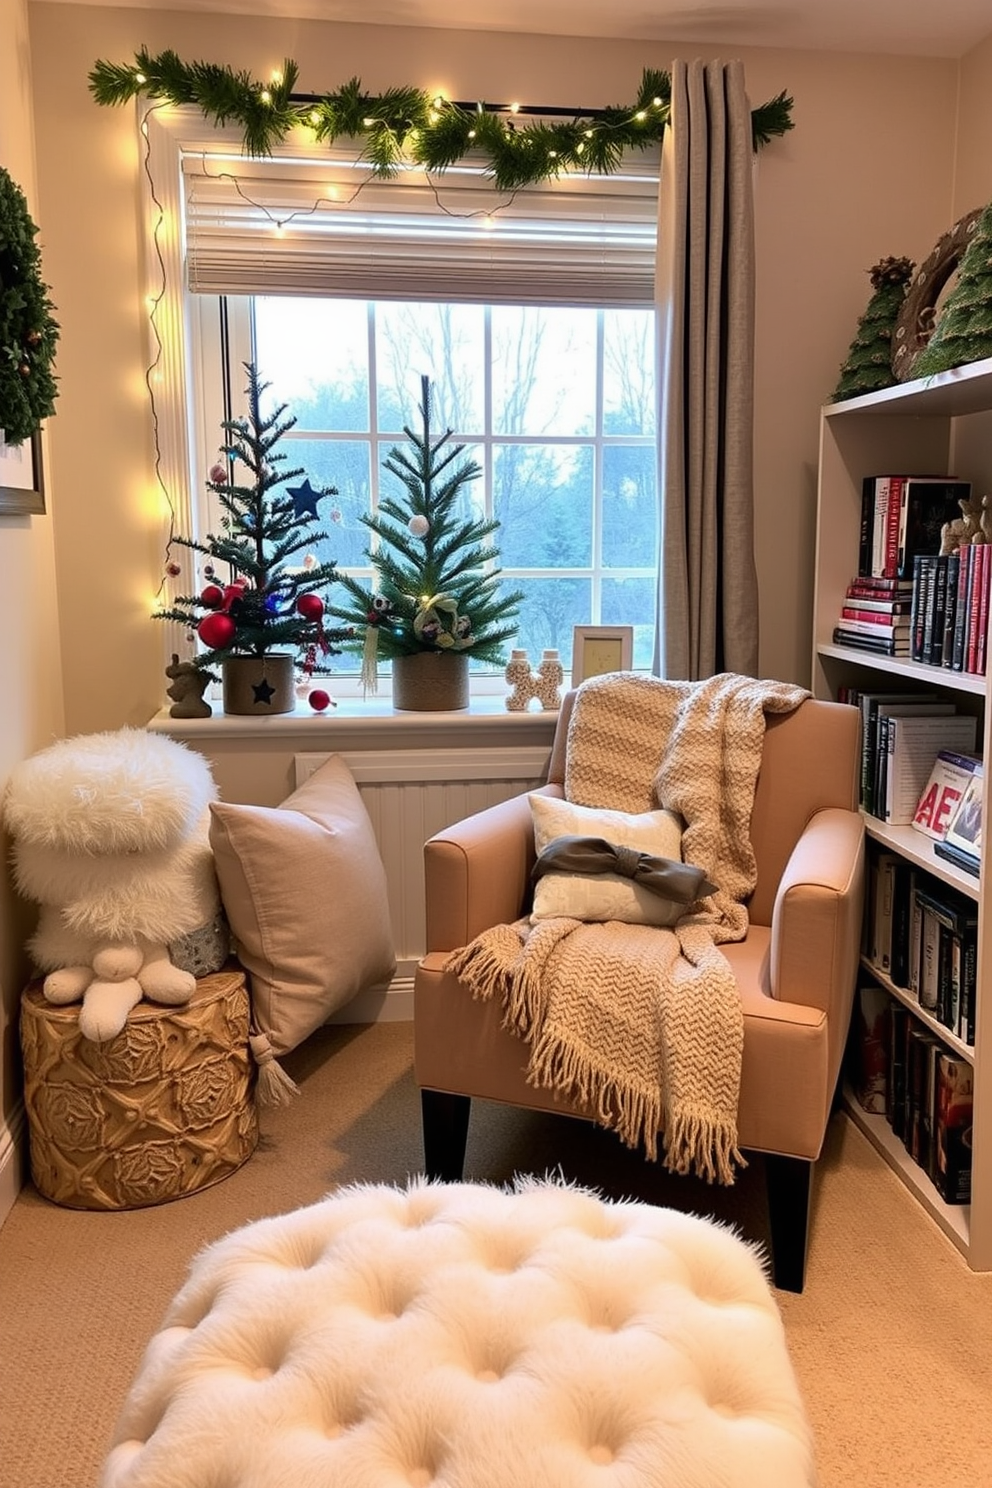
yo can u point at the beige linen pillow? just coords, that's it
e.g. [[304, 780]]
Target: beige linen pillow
[[604, 896], [305, 894]]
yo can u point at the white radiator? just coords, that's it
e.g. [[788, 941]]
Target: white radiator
[[410, 795]]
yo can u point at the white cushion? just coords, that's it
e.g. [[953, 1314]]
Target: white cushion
[[460, 1335], [604, 896]]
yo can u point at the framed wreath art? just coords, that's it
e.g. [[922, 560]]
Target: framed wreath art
[[28, 333], [918, 314]]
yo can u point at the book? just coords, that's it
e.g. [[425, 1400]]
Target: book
[[881, 645], [924, 705], [953, 1119], [869, 703], [871, 1047], [950, 611], [963, 836], [940, 796], [874, 585], [949, 917], [913, 741], [979, 581], [899, 1024], [888, 626], [984, 561], [883, 879], [927, 503], [875, 611], [880, 515], [963, 606], [923, 582]]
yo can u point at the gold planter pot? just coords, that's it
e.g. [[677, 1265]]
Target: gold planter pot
[[258, 685], [430, 682]]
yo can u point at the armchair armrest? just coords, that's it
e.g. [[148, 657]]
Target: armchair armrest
[[816, 921], [477, 872]]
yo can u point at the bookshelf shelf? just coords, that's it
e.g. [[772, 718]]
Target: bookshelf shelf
[[936, 426]]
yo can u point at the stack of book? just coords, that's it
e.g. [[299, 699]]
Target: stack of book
[[876, 615], [924, 1089], [908, 599]]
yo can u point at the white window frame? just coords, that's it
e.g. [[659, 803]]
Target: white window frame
[[185, 426]]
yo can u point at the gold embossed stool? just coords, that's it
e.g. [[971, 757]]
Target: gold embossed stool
[[162, 1110]]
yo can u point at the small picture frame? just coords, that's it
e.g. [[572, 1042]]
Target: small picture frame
[[597, 649], [22, 485]]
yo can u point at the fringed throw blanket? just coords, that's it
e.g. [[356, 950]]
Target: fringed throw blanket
[[644, 1025]]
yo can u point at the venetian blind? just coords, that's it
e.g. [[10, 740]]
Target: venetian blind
[[324, 226]]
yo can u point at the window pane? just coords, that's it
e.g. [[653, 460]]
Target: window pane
[[314, 353], [344, 464], [470, 504], [628, 372], [629, 506], [442, 342], [543, 500], [632, 602], [544, 370], [549, 610]]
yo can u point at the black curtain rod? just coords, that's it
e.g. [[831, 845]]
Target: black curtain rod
[[495, 108]]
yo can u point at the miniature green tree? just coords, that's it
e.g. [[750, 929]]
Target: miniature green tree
[[868, 365], [964, 326], [436, 588], [269, 603]]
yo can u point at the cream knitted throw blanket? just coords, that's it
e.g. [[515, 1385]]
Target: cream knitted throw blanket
[[644, 1026]]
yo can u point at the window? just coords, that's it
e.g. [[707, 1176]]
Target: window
[[533, 315], [555, 404]]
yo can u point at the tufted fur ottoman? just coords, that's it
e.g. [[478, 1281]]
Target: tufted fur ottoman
[[463, 1337]]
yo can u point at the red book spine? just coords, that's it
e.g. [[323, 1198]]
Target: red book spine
[[876, 617], [977, 567], [897, 485], [983, 607]]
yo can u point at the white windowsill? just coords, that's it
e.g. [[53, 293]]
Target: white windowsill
[[486, 721]]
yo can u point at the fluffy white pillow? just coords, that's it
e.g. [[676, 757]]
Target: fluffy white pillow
[[604, 896]]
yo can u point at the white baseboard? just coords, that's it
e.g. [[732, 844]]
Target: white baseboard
[[387, 1003], [13, 1159]]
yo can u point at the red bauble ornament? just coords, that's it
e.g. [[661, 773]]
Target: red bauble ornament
[[217, 630], [233, 592], [173, 570], [212, 596], [319, 700], [310, 606]]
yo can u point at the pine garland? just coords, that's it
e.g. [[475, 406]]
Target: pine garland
[[28, 333], [406, 124]]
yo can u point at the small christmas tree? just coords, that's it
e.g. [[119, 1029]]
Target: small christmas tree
[[964, 326], [269, 604], [868, 365], [433, 591]]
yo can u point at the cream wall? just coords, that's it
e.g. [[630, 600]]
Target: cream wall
[[868, 171], [30, 696], [847, 186]]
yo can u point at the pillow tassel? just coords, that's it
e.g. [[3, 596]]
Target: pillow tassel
[[275, 1087]]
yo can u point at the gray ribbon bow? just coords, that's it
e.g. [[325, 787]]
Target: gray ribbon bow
[[680, 882]]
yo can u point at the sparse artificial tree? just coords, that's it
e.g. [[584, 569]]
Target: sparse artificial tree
[[437, 585], [868, 365], [964, 326], [269, 603]]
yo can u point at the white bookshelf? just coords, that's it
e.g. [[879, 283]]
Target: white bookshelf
[[943, 425]]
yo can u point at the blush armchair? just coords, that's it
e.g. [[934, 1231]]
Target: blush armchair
[[795, 969]]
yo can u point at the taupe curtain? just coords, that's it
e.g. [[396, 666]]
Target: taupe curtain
[[707, 585]]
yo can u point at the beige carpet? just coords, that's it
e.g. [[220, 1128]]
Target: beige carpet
[[891, 1341]]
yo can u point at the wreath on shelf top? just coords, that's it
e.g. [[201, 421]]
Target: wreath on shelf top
[[28, 334]]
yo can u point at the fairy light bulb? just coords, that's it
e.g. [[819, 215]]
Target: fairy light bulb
[[640, 116], [471, 134], [656, 102], [265, 96], [489, 222], [368, 123], [588, 134], [579, 148], [139, 78], [314, 116], [439, 101], [514, 108], [276, 80]]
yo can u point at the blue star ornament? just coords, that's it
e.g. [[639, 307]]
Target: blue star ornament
[[264, 691], [305, 499]]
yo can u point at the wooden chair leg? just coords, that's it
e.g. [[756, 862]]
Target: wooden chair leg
[[789, 1182], [444, 1119]]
